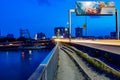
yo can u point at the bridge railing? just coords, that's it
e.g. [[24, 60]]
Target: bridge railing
[[47, 69]]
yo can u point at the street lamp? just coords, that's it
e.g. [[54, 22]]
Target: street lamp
[[70, 21], [117, 24]]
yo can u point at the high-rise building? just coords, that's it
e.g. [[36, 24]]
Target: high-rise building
[[61, 32], [113, 35], [78, 32], [39, 36]]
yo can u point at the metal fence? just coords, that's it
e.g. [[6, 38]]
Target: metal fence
[[47, 69]]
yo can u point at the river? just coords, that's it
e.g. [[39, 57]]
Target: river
[[19, 65]]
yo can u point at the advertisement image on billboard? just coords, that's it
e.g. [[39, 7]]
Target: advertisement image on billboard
[[95, 8]]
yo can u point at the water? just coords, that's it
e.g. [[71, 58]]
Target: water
[[19, 65]]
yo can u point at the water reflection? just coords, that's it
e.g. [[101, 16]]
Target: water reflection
[[30, 51], [7, 53], [26, 55]]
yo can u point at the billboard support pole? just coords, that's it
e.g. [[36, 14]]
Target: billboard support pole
[[70, 22], [117, 24]]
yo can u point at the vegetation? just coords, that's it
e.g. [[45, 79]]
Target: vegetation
[[96, 62]]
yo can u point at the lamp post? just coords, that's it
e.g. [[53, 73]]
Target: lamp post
[[117, 24], [70, 22]]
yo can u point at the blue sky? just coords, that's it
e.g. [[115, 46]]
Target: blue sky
[[44, 15]]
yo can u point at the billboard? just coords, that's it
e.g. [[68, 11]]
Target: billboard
[[95, 8]]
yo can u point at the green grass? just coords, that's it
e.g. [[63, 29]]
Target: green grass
[[96, 62]]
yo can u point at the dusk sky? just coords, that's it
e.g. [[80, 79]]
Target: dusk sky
[[45, 15]]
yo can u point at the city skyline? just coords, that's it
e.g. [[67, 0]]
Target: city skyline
[[45, 15]]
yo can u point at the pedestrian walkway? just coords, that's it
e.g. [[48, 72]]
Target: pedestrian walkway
[[94, 75], [67, 70]]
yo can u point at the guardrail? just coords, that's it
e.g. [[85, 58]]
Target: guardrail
[[47, 69]]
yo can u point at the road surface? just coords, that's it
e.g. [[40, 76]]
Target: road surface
[[104, 47]]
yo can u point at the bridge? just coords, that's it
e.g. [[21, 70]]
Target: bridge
[[81, 60], [106, 45]]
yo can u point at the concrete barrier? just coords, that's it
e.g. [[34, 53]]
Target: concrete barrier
[[47, 69]]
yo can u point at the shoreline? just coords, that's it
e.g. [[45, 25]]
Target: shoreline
[[4, 48]]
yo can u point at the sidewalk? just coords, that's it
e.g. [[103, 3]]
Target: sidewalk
[[93, 74], [67, 70]]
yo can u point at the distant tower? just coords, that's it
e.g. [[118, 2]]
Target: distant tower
[[78, 32]]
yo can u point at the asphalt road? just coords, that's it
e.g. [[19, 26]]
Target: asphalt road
[[112, 46], [104, 47]]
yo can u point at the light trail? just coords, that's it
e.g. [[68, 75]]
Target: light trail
[[103, 42]]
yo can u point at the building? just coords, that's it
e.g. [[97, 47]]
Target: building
[[40, 36], [78, 32], [61, 32], [10, 36], [113, 35]]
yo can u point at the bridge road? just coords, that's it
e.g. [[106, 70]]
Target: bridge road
[[109, 48], [112, 46]]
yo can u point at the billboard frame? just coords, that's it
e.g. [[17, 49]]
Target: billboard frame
[[70, 22]]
